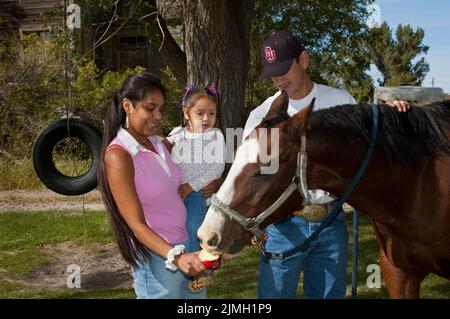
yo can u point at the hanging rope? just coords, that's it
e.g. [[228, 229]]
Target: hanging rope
[[69, 71]]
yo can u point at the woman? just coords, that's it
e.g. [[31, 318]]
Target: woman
[[139, 185]]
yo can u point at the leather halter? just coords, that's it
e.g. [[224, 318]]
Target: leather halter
[[299, 183]]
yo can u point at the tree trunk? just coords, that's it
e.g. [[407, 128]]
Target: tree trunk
[[217, 51]]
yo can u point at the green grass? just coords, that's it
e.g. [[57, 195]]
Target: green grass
[[237, 277], [23, 234], [16, 291], [28, 230], [20, 174], [432, 287]]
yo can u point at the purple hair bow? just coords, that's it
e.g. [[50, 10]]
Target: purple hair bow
[[186, 91], [210, 89]]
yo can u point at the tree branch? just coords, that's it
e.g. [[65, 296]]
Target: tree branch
[[174, 57]]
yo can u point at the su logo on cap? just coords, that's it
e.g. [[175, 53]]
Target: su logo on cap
[[270, 54]]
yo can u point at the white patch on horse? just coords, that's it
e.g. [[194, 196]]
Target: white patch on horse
[[246, 153], [214, 219]]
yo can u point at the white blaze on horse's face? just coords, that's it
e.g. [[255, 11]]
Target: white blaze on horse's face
[[210, 232], [252, 150]]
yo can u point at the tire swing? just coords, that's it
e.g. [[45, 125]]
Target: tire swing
[[43, 156]]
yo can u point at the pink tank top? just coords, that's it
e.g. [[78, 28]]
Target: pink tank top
[[157, 179]]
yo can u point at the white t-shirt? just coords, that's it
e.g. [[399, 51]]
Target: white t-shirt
[[201, 156], [326, 97]]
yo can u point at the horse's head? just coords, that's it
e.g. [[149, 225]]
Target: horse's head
[[263, 168]]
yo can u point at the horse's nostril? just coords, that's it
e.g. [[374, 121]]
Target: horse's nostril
[[213, 241]]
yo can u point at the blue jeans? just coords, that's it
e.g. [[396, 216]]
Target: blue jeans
[[196, 211], [324, 263], [154, 281]]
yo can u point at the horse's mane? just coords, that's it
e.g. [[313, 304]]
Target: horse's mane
[[403, 137]]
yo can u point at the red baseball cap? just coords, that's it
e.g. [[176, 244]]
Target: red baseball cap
[[278, 52]]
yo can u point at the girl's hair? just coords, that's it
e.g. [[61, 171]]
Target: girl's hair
[[194, 93], [135, 88]]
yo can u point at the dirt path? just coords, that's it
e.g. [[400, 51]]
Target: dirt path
[[41, 200], [100, 268]]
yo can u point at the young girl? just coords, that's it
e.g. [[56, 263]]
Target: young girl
[[199, 150], [139, 186]]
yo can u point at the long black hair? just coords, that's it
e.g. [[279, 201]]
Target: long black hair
[[135, 88]]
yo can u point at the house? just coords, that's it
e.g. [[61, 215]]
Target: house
[[114, 46], [40, 16]]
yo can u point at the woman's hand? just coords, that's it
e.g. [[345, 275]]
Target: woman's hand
[[184, 190], [189, 263], [212, 187]]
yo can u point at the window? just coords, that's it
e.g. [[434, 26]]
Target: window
[[132, 40]]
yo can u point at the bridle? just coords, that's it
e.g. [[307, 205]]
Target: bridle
[[298, 183]]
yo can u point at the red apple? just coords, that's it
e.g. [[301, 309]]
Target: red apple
[[209, 260]]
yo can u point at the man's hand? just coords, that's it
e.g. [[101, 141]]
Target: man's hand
[[254, 242], [402, 106], [184, 190], [212, 187]]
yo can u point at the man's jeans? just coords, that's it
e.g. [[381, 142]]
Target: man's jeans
[[324, 263]]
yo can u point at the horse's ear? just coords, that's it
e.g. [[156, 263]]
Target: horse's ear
[[280, 104], [299, 121]]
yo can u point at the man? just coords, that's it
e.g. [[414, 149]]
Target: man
[[324, 263]]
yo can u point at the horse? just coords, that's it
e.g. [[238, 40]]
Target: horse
[[405, 189]]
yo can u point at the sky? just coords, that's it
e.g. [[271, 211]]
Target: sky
[[434, 17]]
